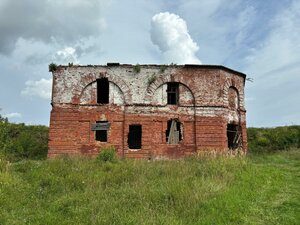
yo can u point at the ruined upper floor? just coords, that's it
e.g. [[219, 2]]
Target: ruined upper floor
[[155, 85]]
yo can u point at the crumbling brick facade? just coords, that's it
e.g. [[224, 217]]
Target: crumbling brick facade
[[147, 111]]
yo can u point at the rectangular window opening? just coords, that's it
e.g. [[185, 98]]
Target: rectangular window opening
[[135, 136], [173, 132], [173, 93], [102, 91], [234, 136], [101, 135]]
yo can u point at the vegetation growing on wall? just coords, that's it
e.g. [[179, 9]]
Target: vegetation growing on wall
[[151, 79], [137, 68], [52, 67], [162, 68]]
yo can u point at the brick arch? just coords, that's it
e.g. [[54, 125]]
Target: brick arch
[[82, 92], [230, 84], [92, 77], [162, 79]]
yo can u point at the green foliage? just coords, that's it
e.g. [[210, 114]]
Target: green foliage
[[162, 68], [52, 67], [18, 141], [254, 190], [3, 119], [107, 154], [137, 68], [151, 79], [273, 139]]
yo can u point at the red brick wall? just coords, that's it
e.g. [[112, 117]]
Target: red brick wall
[[70, 134], [204, 113]]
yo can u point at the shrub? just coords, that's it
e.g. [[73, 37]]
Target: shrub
[[52, 67], [273, 139], [162, 68], [19, 141], [137, 68], [107, 154]]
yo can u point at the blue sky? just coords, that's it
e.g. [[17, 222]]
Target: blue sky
[[259, 38]]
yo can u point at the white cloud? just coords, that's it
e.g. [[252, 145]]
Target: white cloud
[[13, 115], [281, 47], [40, 88], [169, 32], [48, 21], [66, 55], [274, 64]]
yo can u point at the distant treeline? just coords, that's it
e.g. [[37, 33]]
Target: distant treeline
[[273, 139], [20, 141]]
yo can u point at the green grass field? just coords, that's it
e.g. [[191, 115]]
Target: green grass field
[[258, 189]]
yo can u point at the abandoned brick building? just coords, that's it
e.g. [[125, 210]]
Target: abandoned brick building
[[147, 111]]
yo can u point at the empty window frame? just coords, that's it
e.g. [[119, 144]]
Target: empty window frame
[[173, 132], [102, 91], [135, 136], [234, 136], [101, 135], [173, 93]]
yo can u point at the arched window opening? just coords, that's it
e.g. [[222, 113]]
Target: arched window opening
[[233, 98], [174, 132], [102, 91]]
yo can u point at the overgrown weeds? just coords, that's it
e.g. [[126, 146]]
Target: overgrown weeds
[[137, 68], [107, 154], [191, 191]]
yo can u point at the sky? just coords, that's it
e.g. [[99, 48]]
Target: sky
[[258, 38]]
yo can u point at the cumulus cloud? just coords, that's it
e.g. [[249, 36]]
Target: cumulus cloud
[[12, 115], [49, 21], [41, 88], [66, 55], [169, 32]]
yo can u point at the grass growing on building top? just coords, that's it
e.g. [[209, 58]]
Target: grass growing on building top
[[254, 190], [137, 68], [52, 67]]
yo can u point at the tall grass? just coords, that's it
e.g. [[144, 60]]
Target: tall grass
[[250, 190], [257, 189]]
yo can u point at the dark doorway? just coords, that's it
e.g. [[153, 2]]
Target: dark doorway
[[102, 91], [234, 136], [173, 93], [135, 136], [173, 132]]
